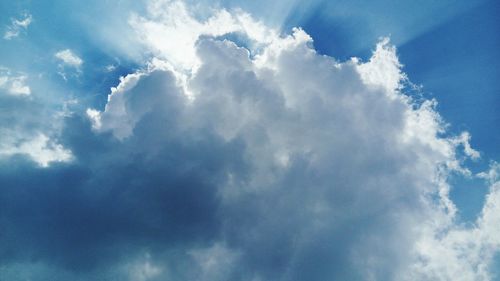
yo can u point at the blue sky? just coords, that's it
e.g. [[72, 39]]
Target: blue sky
[[241, 140]]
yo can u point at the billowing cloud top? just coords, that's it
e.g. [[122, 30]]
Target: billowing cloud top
[[239, 153]]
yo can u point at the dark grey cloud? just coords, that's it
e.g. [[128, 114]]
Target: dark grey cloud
[[114, 202]]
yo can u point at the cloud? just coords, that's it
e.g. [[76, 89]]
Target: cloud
[[110, 68], [28, 125], [69, 58], [40, 149], [14, 84], [493, 174], [181, 30], [253, 158], [463, 253], [17, 26]]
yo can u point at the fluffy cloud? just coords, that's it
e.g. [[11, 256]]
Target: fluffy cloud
[[339, 148], [181, 31], [17, 26], [240, 154]]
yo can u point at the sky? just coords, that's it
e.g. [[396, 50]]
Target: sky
[[249, 140]]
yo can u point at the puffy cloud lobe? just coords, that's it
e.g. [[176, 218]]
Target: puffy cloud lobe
[[460, 253], [180, 30], [124, 109], [271, 164]]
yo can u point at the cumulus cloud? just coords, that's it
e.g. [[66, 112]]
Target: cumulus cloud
[[181, 30], [17, 26], [336, 143], [463, 253], [251, 159]]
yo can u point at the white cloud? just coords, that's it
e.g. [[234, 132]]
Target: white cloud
[[40, 149], [180, 30], [14, 84], [117, 117], [383, 69], [26, 127], [464, 140], [328, 146], [17, 26], [69, 58], [493, 174], [457, 252]]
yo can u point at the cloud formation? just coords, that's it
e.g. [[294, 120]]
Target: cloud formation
[[69, 58], [238, 153], [17, 26], [27, 124], [457, 252], [13, 84]]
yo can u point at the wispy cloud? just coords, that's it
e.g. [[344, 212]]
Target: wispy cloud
[[69, 58], [17, 26], [14, 84]]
